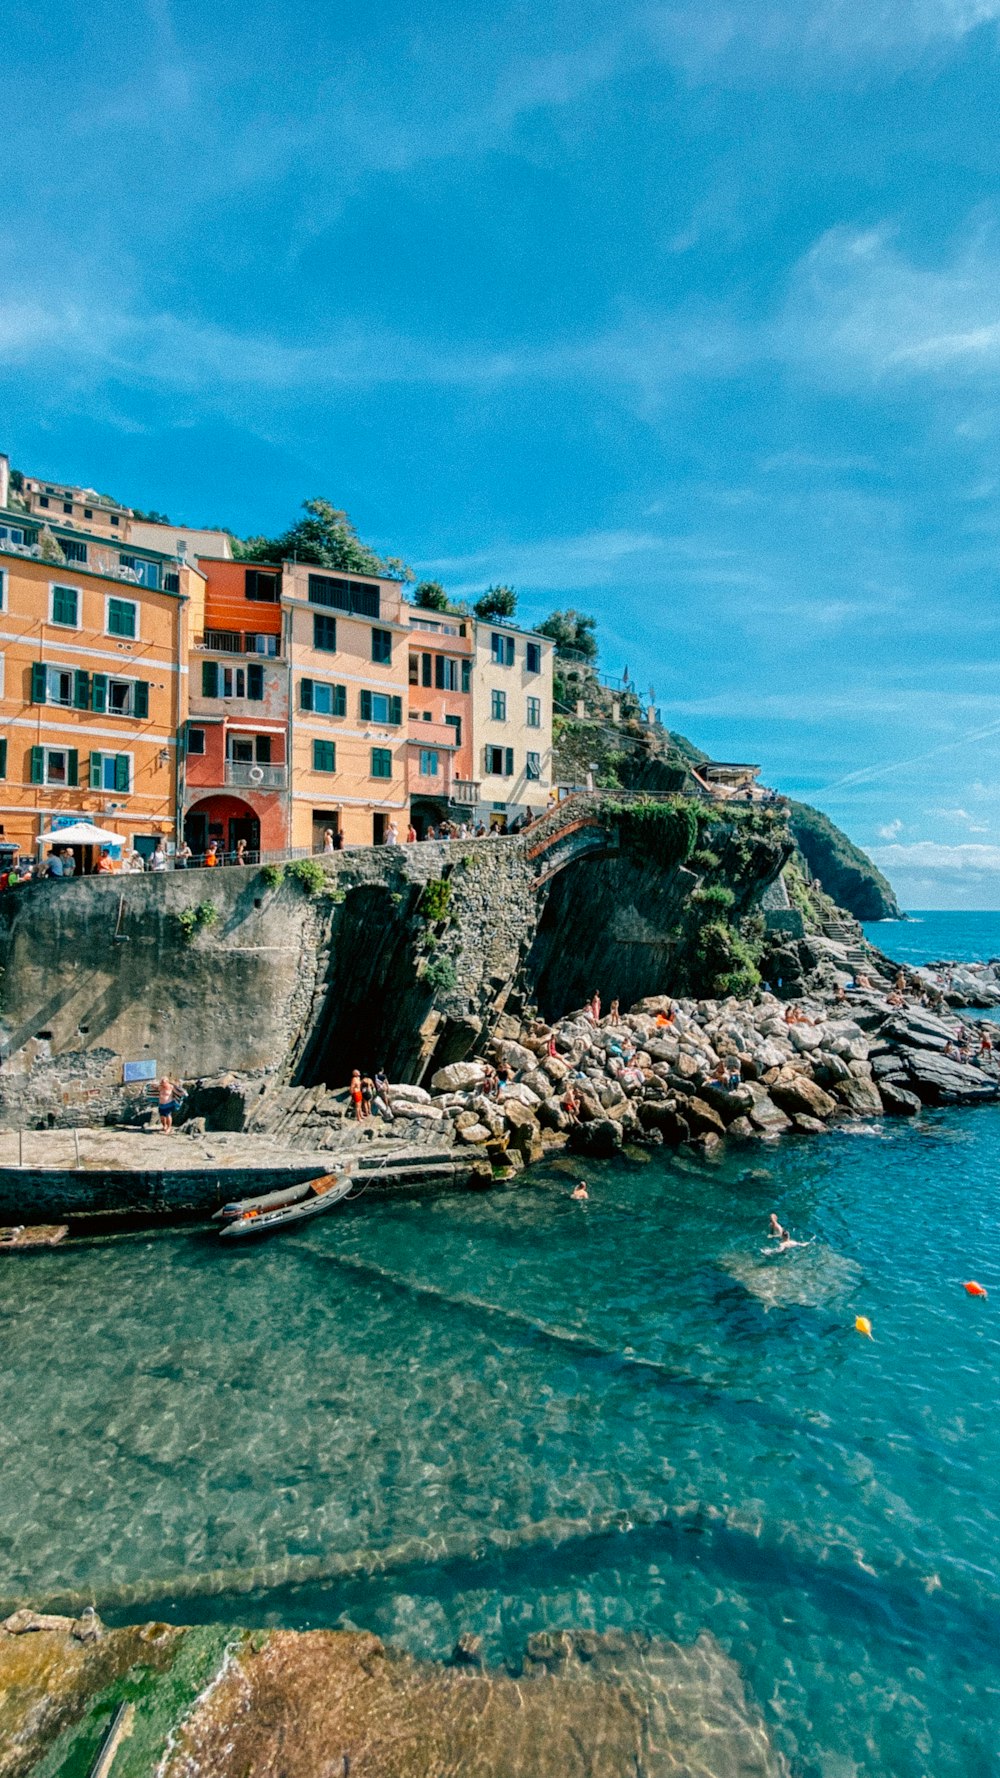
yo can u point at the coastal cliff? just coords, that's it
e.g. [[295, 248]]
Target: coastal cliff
[[846, 873]]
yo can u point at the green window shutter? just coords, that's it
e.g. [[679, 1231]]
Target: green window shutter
[[64, 605], [508, 762], [366, 706], [324, 756], [339, 700], [96, 770], [121, 618], [439, 671], [72, 767], [255, 681], [38, 765], [99, 692], [209, 679], [466, 675], [306, 694], [81, 690], [122, 771], [38, 682], [395, 711], [425, 665], [3, 759], [141, 708]]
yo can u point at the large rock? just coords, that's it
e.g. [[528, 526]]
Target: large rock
[[457, 1076], [414, 1095], [555, 1068], [514, 1055], [703, 1118], [896, 1101], [796, 1093], [602, 1137], [525, 1135], [730, 1103], [474, 1134], [665, 1117], [804, 1038], [938, 1081], [519, 1089], [860, 1096], [767, 1116]]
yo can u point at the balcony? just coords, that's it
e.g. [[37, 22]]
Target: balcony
[[465, 790], [239, 642], [243, 775]]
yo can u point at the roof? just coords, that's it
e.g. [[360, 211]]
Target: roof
[[14, 515]]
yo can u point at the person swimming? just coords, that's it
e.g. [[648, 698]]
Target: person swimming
[[774, 1229], [580, 1190]]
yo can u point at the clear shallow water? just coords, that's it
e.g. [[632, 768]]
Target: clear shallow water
[[667, 1428]]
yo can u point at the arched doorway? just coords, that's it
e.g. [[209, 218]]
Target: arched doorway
[[225, 819]]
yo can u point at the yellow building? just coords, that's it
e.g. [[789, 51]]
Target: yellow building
[[348, 661], [93, 691]]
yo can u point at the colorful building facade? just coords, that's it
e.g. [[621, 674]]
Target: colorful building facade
[[439, 732], [511, 722]]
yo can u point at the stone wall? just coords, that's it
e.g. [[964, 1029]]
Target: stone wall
[[406, 958]]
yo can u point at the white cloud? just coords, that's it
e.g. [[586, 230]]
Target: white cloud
[[710, 36], [891, 830], [931, 856]]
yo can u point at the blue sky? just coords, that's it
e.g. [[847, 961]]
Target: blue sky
[[685, 314]]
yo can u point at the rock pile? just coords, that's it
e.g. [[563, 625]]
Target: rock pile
[[700, 1072]]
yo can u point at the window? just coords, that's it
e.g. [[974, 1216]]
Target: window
[[324, 632], [382, 647], [324, 756], [534, 712], [533, 657], [263, 588], [500, 762], [11, 533], [73, 549], [344, 595], [426, 664], [498, 706], [428, 762], [67, 506], [445, 672], [376, 706], [58, 766], [249, 750], [111, 771], [65, 605], [502, 649], [114, 518], [42, 501], [88, 512], [196, 740], [145, 571], [414, 669], [455, 722], [3, 759], [324, 698], [218, 681], [52, 685], [533, 768], [119, 697], [121, 618], [381, 762], [3, 589], [466, 675]]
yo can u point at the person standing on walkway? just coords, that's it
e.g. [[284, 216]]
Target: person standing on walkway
[[168, 1101]]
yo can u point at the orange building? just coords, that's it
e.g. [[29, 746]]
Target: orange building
[[234, 777], [439, 735], [92, 694]]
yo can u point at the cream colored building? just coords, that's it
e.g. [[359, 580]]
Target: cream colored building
[[186, 541], [511, 722], [347, 648]]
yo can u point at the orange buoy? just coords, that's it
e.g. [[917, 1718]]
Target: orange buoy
[[974, 1289], [864, 1326]]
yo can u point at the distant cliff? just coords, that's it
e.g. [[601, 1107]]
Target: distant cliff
[[845, 872]]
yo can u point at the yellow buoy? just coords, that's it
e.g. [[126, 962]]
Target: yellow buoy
[[864, 1326]]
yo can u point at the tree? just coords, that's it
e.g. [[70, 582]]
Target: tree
[[431, 596], [327, 539], [152, 517], [574, 634], [497, 601]]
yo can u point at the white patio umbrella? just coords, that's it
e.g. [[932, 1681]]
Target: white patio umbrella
[[80, 833]]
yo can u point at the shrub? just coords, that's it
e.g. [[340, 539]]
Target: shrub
[[191, 920], [439, 974], [702, 858], [714, 895], [309, 874], [434, 900], [724, 962], [667, 832], [272, 875]]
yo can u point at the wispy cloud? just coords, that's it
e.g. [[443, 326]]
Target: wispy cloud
[[728, 36], [931, 855]]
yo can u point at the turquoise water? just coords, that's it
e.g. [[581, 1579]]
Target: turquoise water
[[505, 1412]]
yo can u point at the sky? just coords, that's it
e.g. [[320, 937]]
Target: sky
[[686, 315]]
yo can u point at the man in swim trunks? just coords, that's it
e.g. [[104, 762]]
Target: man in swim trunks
[[580, 1190], [775, 1232]]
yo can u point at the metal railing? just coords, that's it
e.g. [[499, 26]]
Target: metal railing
[[240, 642], [245, 775]]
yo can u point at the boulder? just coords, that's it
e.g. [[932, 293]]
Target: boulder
[[474, 1134], [798, 1095], [702, 1118], [602, 1137], [415, 1095], [741, 1130], [860, 1096], [453, 1079], [896, 1101], [538, 1083], [689, 1067], [938, 1081], [424, 1114], [809, 1126], [707, 1145], [828, 1068], [551, 1114], [466, 1119], [804, 1038], [665, 1118], [768, 1117], [730, 1103], [525, 1135], [19, 1623], [519, 1089], [555, 1068], [514, 1055]]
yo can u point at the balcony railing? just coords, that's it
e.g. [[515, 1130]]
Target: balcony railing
[[239, 642], [465, 790], [243, 775]]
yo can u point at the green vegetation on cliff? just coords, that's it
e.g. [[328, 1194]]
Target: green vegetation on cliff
[[846, 873]]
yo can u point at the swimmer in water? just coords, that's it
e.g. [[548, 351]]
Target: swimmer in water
[[580, 1190], [775, 1232]]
